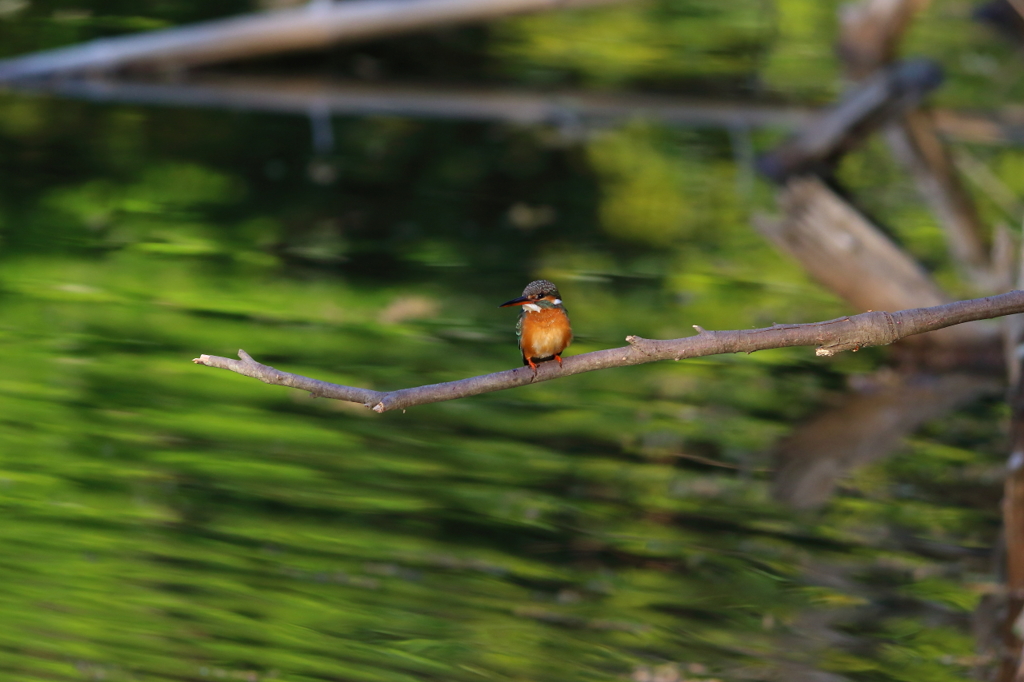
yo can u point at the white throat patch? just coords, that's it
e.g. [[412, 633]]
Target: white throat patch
[[532, 307]]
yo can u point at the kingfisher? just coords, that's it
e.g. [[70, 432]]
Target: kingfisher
[[543, 328]]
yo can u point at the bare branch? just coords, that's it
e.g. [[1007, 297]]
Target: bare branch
[[830, 337], [316, 24], [1018, 5], [1012, 644], [872, 31], [301, 95], [871, 34], [268, 375], [915, 142], [841, 248], [863, 109]]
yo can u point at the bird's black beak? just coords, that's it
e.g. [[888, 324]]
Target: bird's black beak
[[515, 301]]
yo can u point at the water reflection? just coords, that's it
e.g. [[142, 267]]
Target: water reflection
[[162, 521], [167, 522]]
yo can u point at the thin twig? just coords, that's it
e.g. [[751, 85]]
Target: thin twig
[[830, 337]]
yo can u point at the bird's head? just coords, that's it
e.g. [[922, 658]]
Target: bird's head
[[538, 294]]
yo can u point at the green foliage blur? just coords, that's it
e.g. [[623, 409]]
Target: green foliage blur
[[160, 520]]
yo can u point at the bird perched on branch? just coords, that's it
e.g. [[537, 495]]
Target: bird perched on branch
[[543, 328]]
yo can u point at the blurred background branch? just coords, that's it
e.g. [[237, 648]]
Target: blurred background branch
[[313, 25]]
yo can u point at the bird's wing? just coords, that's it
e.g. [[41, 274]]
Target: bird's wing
[[519, 334]]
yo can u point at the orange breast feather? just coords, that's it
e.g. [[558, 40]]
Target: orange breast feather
[[545, 333]]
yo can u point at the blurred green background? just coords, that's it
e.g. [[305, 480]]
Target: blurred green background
[[164, 521]]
